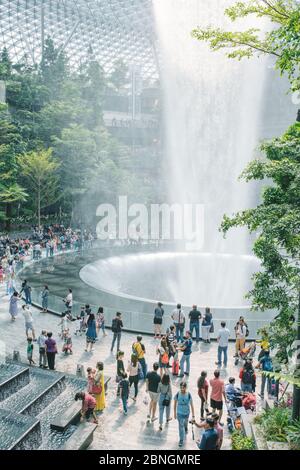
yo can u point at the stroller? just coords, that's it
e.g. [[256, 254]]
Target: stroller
[[234, 405], [246, 353]]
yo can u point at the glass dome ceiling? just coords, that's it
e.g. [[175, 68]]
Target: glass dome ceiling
[[109, 29]]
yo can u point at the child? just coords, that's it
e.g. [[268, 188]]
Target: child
[[90, 379], [101, 321], [67, 346], [78, 326], [82, 318], [64, 324], [30, 351], [124, 391]]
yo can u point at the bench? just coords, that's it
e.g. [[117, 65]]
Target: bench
[[81, 438], [70, 416]]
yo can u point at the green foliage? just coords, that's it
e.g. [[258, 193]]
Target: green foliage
[[241, 442], [51, 106], [293, 435], [277, 425], [283, 41], [39, 170]]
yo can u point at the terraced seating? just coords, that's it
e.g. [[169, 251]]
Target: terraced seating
[[81, 438]]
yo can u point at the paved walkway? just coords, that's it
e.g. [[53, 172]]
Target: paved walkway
[[116, 431]]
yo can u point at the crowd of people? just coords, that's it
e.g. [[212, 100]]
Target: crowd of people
[[174, 348]]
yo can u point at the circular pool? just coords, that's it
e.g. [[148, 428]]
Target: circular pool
[[216, 280]]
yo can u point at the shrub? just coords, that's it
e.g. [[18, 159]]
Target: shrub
[[241, 442]]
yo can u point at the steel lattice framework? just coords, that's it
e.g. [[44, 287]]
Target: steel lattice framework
[[109, 29]]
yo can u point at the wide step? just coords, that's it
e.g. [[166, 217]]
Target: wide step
[[70, 416], [81, 438], [12, 378], [44, 386], [19, 431]]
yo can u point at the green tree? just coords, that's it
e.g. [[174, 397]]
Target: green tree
[[119, 76], [11, 145], [282, 42], [40, 172], [5, 65]]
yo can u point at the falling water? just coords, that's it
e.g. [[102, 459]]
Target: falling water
[[212, 116]]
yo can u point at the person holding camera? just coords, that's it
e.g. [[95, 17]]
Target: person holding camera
[[183, 402]]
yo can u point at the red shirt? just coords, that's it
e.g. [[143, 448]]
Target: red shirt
[[217, 389], [88, 402]]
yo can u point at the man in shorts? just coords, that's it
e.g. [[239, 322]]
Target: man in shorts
[[217, 394], [152, 381], [28, 321]]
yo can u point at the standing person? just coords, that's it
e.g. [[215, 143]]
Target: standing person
[[186, 356], [27, 291], [222, 339], [163, 352], [42, 349], [165, 397], [88, 406], [30, 351], [99, 388], [116, 328], [45, 298], [248, 378], [91, 334], [120, 369], [217, 393], [266, 365], [195, 317], [124, 391], [171, 342], [28, 321], [158, 318], [219, 430], [139, 349], [207, 324], [51, 350], [69, 301], [240, 334], [152, 382], [90, 379], [133, 370], [202, 385], [178, 316], [209, 438], [101, 321], [13, 305], [183, 402]]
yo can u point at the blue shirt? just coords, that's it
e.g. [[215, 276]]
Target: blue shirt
[[183, 403], [209, 440], [188, 347]]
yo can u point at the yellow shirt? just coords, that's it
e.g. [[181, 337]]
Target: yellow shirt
[[139, 350]]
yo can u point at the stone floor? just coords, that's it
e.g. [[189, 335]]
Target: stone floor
[[116, 431]]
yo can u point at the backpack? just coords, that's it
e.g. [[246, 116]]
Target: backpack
[[165, 358], [267, 365], [114, 325], [247, 376], [247, 330]]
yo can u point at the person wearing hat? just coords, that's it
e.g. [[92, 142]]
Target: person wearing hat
[[195, 317], [158, 318]]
